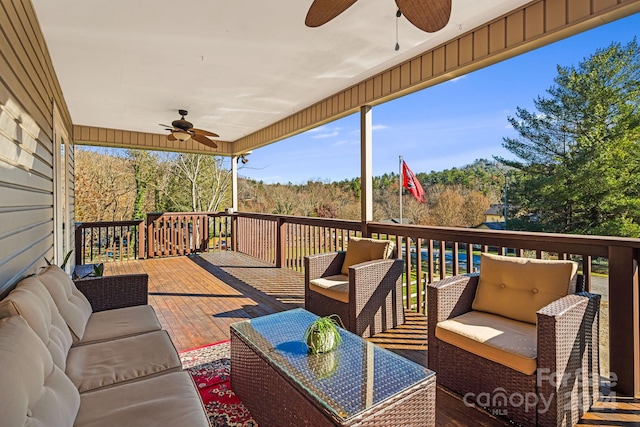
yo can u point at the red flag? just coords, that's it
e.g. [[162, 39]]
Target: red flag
[[411, 183]]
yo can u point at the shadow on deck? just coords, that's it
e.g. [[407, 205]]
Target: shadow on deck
[[197, 297]]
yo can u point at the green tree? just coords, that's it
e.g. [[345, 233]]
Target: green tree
[[143, 164], [198, 183], [578, 154]]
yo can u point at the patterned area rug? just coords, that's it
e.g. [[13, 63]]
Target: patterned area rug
[[210, 368]]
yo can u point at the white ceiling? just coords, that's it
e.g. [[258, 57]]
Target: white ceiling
[[236, 65]]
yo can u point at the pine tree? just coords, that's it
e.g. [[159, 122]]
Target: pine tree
[[579, 152]]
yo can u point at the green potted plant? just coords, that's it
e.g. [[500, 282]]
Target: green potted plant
[[322, 335]]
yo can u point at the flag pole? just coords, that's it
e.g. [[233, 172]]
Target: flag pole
[[400, 187]]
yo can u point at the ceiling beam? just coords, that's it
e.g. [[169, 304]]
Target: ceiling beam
[[118, 138]]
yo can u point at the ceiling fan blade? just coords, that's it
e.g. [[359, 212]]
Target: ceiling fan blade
[[204, 132], [429, 16], [171, 137], [204, 140], [166, 126], [323, 11]]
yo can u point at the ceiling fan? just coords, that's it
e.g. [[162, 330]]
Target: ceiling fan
[[183, 130], [428, 15]]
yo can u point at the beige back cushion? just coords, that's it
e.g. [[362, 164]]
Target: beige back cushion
[[33, 390], [31, 300], [517, 288], [72, 304], [362, 249]]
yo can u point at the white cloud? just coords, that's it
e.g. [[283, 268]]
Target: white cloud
[[379, 127], [344, 142], [457, 78], [326, 135]]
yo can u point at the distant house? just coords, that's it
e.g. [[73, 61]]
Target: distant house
[[495, 213]]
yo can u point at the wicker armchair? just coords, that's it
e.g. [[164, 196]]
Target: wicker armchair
[[111, 292], [565, 381], [374, 292]]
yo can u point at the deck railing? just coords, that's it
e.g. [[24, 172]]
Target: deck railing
[[108, 241], [430, 253]]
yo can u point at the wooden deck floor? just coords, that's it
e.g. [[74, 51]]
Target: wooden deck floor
[[197, 298]]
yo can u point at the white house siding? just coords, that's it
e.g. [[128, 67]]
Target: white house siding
[[28, 89]]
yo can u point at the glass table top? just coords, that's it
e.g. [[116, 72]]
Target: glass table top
[[354, 377]]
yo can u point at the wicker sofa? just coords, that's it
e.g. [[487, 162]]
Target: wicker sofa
[[363, 286], [521, 344], [65, 364]]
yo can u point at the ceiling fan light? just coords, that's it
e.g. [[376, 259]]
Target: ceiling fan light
[[181, 135]]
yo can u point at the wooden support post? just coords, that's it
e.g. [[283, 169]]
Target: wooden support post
[[623, 320], [366, 177]]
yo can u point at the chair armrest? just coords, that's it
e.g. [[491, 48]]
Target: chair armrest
[[561, 322], [322, 265], [110, 292], [366, 278], [451, 297], [447, 298], [568, 352]]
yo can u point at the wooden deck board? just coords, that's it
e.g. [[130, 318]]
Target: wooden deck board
[[197, 297]]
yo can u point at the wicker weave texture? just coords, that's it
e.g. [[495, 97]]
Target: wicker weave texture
[[375, 293], [566, 382], [111, 292], [475, 378], [274, 401], [568, 346], [447, 298]]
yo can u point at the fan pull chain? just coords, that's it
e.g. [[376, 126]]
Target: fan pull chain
[[398, 15]]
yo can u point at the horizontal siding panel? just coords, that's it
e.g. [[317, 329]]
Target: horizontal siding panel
[[28, 260], [21, 197], [22, 87], [21, 152], [20, 220], [13, 244], [25, 179], [24, 48]]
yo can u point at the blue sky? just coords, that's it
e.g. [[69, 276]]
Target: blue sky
[[445, 126]]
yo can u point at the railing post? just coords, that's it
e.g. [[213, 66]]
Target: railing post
[[79, 243], [281, 242], [140, 235], [234, 233], [150, 238], [364, 229], [624, 329], [204, 247]]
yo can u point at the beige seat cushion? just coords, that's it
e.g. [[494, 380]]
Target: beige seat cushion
[[106, 363], [363, 249], [517, 288], [33, 390], [336, 287], [72, 304], [508, 342], [164, 401], [31, 300], [122, 322]]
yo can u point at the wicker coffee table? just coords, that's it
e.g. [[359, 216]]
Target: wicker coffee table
[[358, 384]]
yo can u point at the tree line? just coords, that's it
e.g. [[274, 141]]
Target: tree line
[[576, 169], [128, 184]]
